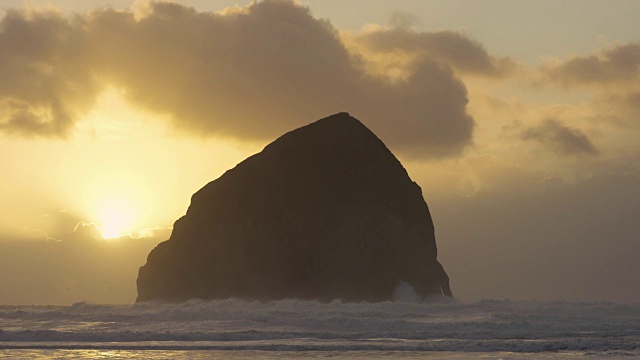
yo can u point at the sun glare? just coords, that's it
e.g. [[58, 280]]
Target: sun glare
[[116, 217]]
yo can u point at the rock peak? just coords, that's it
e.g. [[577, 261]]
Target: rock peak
[[340, 126]]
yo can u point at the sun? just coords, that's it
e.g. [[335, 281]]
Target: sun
[[117, 216], [114, 221]]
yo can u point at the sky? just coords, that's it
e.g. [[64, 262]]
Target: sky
[[519, 120]]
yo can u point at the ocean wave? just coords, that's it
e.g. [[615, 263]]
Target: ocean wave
[[444, 325]]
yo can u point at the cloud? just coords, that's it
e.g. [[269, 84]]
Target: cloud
[[247, 73], [456, 49], [619, 64], [613, 74], [561, 139], [403, 20]]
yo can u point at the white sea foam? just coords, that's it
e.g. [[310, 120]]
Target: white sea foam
[[293, 325]]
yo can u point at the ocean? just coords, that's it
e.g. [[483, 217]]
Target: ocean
[[235, 329]]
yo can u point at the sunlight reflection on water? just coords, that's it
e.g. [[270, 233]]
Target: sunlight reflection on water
[[269, 355]]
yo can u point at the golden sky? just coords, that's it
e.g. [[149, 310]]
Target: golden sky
[[519, 120]]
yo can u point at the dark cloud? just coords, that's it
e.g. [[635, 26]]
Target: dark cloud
[[543, 238], [621, 109], [64, 272], [560, 138], [617, 65], [252, 73], [450, 47], [46, 76], [65, 260], [631, 101]]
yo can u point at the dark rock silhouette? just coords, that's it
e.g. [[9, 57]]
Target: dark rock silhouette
[[324, 212]]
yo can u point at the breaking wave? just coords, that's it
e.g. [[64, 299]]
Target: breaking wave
[[443, 325]]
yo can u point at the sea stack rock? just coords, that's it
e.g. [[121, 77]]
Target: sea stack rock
[[324, 212]]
